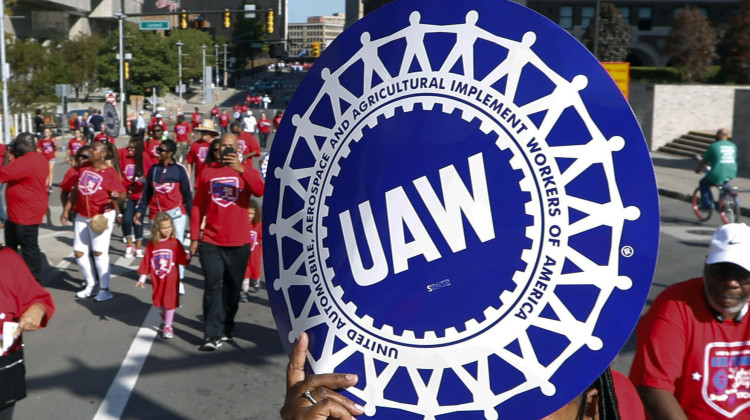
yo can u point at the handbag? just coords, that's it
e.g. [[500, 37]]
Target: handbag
[[12, 378], [98, 223]]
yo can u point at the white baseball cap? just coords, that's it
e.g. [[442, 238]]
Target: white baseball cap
[[731, 244], [157, 115]]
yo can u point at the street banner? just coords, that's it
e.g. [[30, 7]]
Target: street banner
[[460, 208], [111, 120]]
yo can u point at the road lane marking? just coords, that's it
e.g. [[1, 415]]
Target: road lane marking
[[119, 392]]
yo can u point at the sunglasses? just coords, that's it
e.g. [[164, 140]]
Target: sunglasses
[[157, 130], [85, 156], [726, 271], [160, 150]]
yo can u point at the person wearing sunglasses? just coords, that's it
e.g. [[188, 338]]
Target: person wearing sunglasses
[[154, 140], [135, 163], [199, 150], [167, 189], [692, 357]]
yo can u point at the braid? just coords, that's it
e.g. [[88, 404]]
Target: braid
[[608, 405]]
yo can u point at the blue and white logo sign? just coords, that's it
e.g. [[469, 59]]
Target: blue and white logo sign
[[460, 208]]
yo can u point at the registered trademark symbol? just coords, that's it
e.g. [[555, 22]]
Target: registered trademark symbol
[[627, 251]]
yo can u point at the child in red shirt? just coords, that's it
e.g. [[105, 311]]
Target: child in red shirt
[[253, 270], [163, 254]]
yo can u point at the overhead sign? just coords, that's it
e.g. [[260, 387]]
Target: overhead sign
[[154, 25], [460, 207]]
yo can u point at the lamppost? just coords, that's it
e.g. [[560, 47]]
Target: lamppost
[[179, 69], [216, 51], [121, 21], [5, 68], [225, 66], [205, 82]]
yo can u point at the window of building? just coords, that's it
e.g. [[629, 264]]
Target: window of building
[[625, 10], [587, 13], [566, 17], [644, 18]]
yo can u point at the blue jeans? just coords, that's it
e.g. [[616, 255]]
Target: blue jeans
[[707, 200], [127, 221]]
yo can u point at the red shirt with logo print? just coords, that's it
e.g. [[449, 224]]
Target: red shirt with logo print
[[94, 189], [222, 195]]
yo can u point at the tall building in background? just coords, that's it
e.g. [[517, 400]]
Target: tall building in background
[[323, 29]]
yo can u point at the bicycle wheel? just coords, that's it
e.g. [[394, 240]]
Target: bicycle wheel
[[702, 213], [730, 212]]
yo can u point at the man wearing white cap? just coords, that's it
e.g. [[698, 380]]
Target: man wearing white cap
[[692, 356]]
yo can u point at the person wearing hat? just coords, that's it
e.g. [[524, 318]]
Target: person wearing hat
[[157, 134], [199, 149], [692, 357], [157, 120]]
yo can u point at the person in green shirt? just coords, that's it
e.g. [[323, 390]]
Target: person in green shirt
[[721, 156]]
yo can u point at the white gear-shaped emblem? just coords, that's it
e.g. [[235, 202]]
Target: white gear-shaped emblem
[[491, 335]]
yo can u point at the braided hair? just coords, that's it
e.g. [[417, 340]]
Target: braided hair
[[608, 406]]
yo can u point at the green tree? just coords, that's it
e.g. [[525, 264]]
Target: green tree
[[691, 44], [736, 60], [614, 35], [35, 69], [246, 32], [79, 55]]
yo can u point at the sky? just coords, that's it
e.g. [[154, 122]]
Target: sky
[[299, 10]]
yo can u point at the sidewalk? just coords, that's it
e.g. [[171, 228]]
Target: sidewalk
[[675, 178]]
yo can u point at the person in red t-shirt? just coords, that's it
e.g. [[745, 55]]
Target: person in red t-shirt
[[98, 191], [224, 119], [195, 119], [254, 264], [199, 149], [222, 196], [264, 128], [75, 143], [277, 120], [135, 164], [157, 121], [182, 132], [151, 145], [26, 302], [215, 111], [48, 146], [248, 146], [28, 199], [105, 138]]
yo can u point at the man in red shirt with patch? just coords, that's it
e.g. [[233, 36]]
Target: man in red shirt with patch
[[222, 196], [248, 146], [224, 119], [199, 149], [215, 114], [27, 200], [181, 132], [196, 119], [692, 357]]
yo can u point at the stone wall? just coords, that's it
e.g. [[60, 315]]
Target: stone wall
[[741, 127], [665, 112]]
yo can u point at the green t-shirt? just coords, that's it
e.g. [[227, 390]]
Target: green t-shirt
[[722, 156]]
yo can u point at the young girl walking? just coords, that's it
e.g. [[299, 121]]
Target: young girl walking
[[253, 270], [163, 254]]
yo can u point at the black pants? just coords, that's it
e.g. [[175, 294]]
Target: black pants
[[7, 412], [223, 267], [27, 237]]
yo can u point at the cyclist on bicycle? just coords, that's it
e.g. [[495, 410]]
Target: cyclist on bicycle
[[721, 156]]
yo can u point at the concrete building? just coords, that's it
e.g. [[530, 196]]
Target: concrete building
[[323, 29]]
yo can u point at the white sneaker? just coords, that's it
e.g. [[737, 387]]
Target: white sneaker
[[139, 252], [103, 295], [182, 289], [129, 251], [86, 293]]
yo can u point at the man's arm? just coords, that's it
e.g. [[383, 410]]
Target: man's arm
[[701, 166], [660, 404]]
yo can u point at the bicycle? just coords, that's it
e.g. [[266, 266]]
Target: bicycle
[[728, 204]]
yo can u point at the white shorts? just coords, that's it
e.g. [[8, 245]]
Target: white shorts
[[84, 238]]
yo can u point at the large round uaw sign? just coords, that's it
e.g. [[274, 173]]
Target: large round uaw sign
[[460, 208]]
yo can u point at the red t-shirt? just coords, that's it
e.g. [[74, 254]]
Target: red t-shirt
[[127, 164], [182, 130], [243, 109], [236, 108], [277, 122], [47, 147], [223, 196], [264, 125], [94, 189], [18, 292], [247, 144], [254, 264], [628, 401], [3, 150], [150, 145], [683, 349], [74, 144], [26, 194], [157, 121], [199, 150], [215, 111], [160, 264], [195, 119], [224, 120]]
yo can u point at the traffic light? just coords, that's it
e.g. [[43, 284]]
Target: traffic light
[[227, 19], [127, 70], [316, 49], [269, 22], [183, 19]]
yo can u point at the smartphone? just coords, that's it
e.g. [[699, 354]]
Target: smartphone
[[227, 151]]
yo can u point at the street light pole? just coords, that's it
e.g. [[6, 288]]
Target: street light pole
[[179, 69], [5, 75], [121, 28], [225, 66], [205, 82], [216, 51]]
